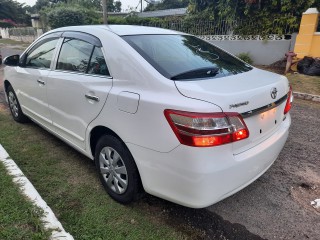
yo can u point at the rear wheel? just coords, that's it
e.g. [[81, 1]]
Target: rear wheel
[[15, 107], [117, 170]]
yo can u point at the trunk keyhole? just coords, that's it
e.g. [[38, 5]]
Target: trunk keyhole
[[260, 131]]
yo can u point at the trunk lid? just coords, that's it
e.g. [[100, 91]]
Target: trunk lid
[[248, 93]]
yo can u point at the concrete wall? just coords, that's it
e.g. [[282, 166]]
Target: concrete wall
[[261, 52], [21, 36]]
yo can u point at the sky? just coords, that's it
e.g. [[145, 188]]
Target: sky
[[126, 4]]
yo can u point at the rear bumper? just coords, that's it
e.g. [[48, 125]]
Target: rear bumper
[[199, 177]]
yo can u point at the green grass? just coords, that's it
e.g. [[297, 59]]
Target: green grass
[[299, 82], [19, 219], [304, 83], [14, 44], [68, 183]]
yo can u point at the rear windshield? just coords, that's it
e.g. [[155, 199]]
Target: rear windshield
[[183, 57]]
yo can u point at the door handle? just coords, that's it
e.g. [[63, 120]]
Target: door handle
[[94, 98], [41, 82]]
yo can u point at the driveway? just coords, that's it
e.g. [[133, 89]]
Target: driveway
[[277, 205]]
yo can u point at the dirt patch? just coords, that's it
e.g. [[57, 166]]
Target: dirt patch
[[307, 190]]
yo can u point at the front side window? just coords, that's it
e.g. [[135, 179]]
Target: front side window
[[41, 56], [74, 55], [183, 57]]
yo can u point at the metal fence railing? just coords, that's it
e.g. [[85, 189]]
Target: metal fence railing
[[225, 27]]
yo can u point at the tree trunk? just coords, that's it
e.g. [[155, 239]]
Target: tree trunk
[[105, 11]]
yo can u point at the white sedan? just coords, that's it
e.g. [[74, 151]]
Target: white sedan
[[157, 110]]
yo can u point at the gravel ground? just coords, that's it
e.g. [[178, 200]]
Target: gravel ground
[[277, 205]]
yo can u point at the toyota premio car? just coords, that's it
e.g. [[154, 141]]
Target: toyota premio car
[[157, 110]]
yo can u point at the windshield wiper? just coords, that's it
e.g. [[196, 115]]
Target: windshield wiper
[[197, 73]]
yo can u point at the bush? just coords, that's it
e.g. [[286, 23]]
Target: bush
[[62, 15], [7, 23], [245, 57]]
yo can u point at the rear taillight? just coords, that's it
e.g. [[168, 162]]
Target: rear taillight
[[206, 129], [289, 101]]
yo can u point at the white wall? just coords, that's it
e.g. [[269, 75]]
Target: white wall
[[261, 52]]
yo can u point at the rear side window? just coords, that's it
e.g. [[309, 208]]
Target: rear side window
[[74, 55], [184, 57], [97, 64], [41, 56]]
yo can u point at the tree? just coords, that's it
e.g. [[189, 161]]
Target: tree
[[245, 8], [167, 4], [40, 4], [113, 6], [15, 11], [61, 17], [69, 15], [117, 6]]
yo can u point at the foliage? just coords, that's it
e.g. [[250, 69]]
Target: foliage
[[10, 9], [7, 23], [263, 13], [245, 57], [200, 25], [61, 17], [65, 15], [40, 4], [167, 4]]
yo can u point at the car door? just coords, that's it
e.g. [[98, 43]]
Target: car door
[[78, 86], [31, 78]]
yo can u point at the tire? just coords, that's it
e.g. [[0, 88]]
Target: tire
[[117, 170], [15, 107]]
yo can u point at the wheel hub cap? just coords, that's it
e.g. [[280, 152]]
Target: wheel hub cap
[[13, 104], [113, 170]]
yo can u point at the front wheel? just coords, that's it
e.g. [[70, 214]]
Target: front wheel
[[15, 107], [117, 170]]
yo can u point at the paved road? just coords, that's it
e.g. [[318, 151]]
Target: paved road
[[277, 205], [9, 51]]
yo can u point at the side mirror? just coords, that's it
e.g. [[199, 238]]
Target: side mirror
[[11, 60]]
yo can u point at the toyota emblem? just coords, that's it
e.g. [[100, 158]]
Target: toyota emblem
[[273, 93]]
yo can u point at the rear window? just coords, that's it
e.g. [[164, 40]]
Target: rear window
[[182, 57]]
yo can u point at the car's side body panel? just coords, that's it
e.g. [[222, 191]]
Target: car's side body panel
[[30, 88], [71, 111]]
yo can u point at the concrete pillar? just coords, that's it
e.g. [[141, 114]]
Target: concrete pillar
[[307, 33]]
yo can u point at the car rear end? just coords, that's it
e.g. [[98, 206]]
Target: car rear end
[[218, 153], [229, 154]]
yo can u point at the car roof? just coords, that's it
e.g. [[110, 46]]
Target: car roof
[[121, 30]]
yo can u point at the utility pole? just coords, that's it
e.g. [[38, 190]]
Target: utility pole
[[141, 6], [105, 11]]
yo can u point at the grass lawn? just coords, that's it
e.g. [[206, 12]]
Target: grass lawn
[[67, 181], [304, 83], [19, 219], [299, 82], [13, 43]]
